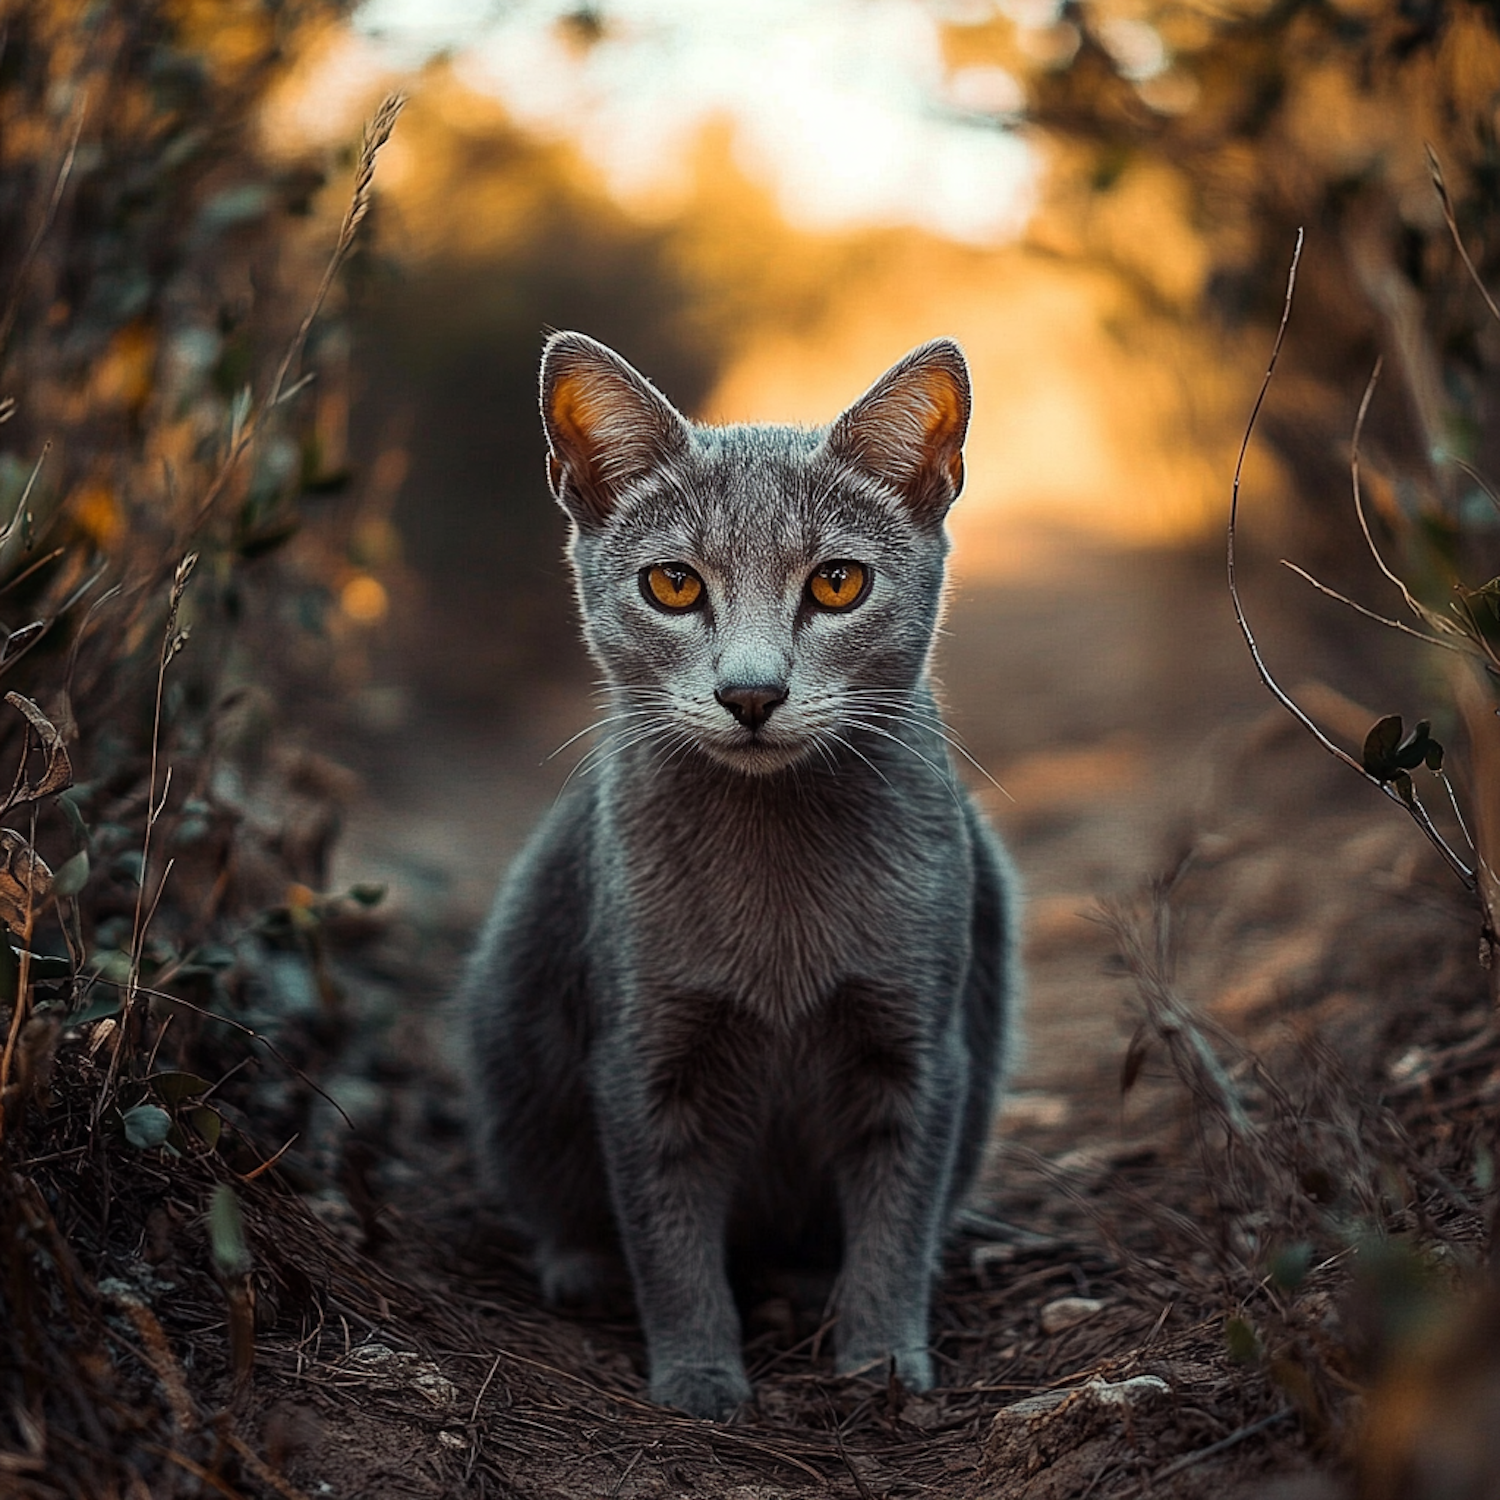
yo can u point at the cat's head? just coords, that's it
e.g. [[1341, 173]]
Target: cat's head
[[756, 591]]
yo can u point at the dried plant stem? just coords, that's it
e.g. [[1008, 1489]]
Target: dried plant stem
[[1370, 614], [173, 640], [1414, 809], [23, 973], [1188, 1460], [1431, 617], [13, 305], [239, 1026], [246, 429], [1435, 167]]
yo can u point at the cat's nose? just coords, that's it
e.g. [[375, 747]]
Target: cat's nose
[[751, 702]]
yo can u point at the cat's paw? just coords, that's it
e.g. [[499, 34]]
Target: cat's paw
[[701, 1390], [913, 1366], [571, 1278]]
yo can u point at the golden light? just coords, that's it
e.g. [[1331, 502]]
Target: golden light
[[364, 600]]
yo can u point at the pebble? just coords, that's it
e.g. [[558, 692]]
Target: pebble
[[1069, 1312]]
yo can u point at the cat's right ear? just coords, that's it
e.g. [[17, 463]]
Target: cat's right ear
[[607, 426]]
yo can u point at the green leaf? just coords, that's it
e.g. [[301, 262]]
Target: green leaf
[[111, 963], [226, 1232], [1434, 756], [1380, 747], [72, 875], [1242, 1341], [68, 802], [190, 831], [240, 204], [239, 414], [208, 1123], [1290, 1265], [97, 1010], [147, 1125], [367, 892], [173, 1088]]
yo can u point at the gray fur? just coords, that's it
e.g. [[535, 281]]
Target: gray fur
[[740, 975]]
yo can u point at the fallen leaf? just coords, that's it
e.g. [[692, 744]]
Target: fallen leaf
[[57, 767], [25, 881]]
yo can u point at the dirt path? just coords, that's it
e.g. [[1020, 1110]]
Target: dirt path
[[1113, 701]]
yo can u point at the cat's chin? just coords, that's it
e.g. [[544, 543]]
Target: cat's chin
[[756, 757]]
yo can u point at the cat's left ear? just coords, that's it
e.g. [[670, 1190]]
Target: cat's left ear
[[907, 431]]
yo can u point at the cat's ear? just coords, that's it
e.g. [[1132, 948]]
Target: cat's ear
[[907, 430], [607, 426]]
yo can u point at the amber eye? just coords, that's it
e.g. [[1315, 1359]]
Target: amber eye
[[671, 586], [838, 585]]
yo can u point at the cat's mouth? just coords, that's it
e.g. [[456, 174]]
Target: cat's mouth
[[755, 752]]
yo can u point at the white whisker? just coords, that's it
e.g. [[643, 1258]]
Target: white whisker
[[853, 749], [946, 780], [572, 739]]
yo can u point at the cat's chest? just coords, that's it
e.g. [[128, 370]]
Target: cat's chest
[[777, 899]]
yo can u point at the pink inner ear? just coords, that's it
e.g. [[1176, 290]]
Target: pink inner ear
[[940, 407], [908, 430], [574, 411], [607, 426]]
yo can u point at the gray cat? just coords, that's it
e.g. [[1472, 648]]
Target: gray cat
[[752, 977]]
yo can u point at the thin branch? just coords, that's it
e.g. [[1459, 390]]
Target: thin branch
[[1188, 1460], [171, 642], [1435, 167], [36, 469], [1417, 813], [377, 133], [1412, 603], [1370, 614], [13, 305], [1480, 480], [26, 573], [1270, 682], [1458, 813], [239, 1026]]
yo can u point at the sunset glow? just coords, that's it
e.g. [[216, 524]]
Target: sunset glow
[[845, 108]]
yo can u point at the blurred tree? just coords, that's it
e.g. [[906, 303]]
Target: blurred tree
[[1188, 142], [154, 271]]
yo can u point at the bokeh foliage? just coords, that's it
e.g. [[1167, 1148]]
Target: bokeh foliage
[[1188, 144], [177, 530]]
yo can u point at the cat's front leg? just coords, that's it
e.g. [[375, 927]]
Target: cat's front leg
[[673, 1141], [893, 1189]]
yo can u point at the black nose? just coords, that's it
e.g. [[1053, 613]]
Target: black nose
[[751, 703]]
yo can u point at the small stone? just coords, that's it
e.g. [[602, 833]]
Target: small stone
[[1119, 1393], [1122, 1393], [1069, 1312]]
